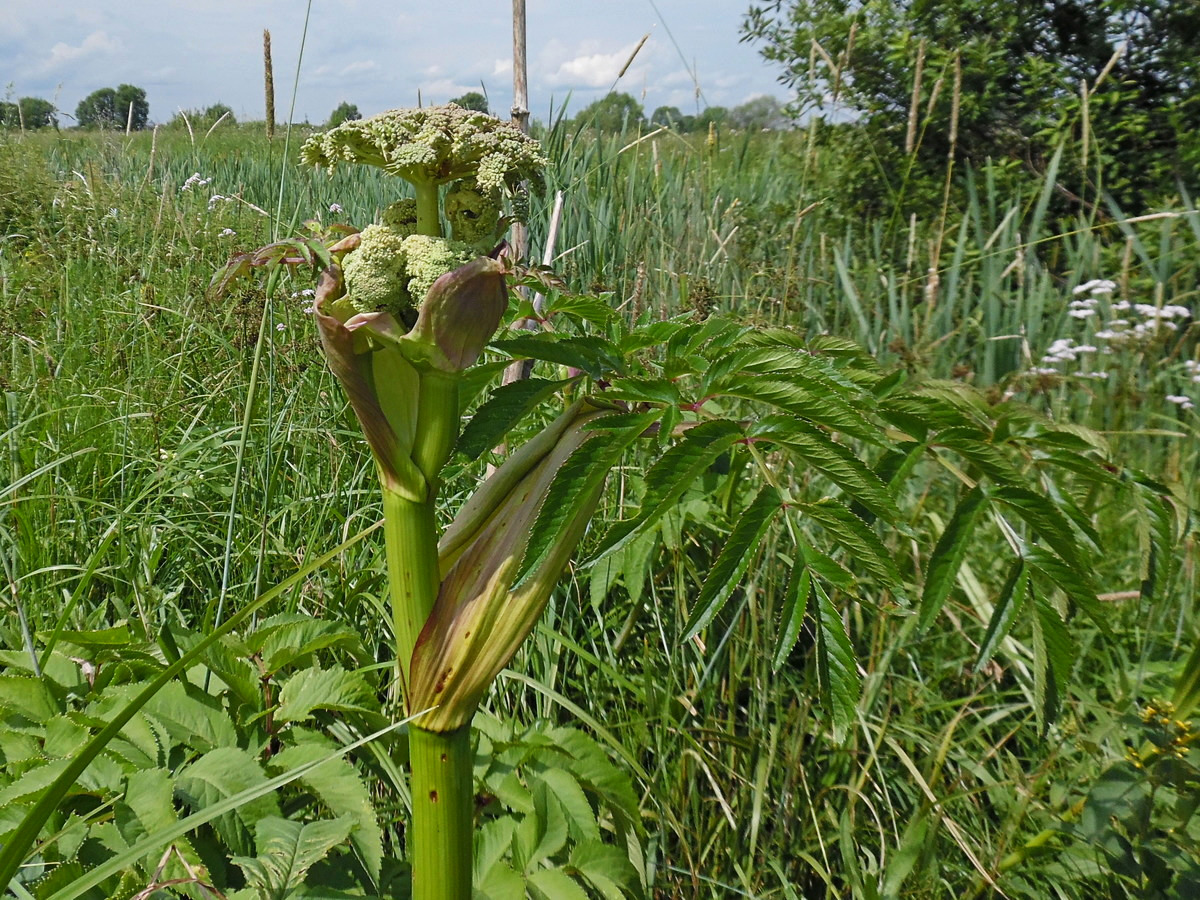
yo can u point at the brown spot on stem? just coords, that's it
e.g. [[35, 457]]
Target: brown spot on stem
[[433, 797], [444, 757]]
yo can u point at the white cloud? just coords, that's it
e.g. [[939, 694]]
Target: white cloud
[[98, 42], [595, 70]]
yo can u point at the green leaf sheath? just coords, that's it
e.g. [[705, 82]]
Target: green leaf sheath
[[410, 537], [441, 843]]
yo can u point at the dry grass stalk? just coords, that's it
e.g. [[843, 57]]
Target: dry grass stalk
[[269, 84]]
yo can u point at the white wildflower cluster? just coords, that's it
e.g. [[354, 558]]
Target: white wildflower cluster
[[335, 208], [1181, 401], [1153, 322], [1096, 287], [227, 232], [306, 297], [195, 180], [215, 199], [1192, 367]]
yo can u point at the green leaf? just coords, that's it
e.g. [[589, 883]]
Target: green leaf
[[581, 818], [1054, 657], [1045, 519], [838, 675], [543, 832], [492, 840], [497, 416], [1008, 606], [500, 882], [818, 450], [862, 544], [219, 775], [192, 719], [972, 445], [287, 850], [148, 808], [1074, 582], [606, 868], [735, 557], [591, 354], [948, 555], [337, 784], [819, 403], [576, 485], [28, 697], [554, 884], [316, 688], [673, 473], [791, 619], [286, 639]]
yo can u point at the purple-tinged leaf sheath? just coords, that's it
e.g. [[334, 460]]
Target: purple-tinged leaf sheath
[[461, 312], [478, 621], [353, 368]]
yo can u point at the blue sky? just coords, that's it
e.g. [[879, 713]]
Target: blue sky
[[378, 54]]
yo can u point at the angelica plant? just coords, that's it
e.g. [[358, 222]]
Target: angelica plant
[[403, 311]]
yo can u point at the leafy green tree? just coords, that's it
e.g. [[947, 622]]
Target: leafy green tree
[[473, 100], [30, 112], [345, 112], [758, 113], [203, 119], [612, 112], [671, 117], [1021, 68], [108, 108], [713, 115]]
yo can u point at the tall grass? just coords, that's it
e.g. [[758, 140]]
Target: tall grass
[[125, 388]]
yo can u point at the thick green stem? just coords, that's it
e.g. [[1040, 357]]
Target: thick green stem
[[441, 842], [429, 217], [410, 537], [437, 424]]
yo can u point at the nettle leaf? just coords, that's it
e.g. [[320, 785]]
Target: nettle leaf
[[949, 554], [147, 808], [578, 479], [287, 850], [554, 884], [286, 639], [191, 719], [1004, 613], [791, 618], [734, 559], [859, 541], [836, 669], [500, 413], [594, 355], [28, 698], [315, 688], [218, 775], [337, 784], [674, 472]]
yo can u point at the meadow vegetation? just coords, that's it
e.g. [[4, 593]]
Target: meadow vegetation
[[168, 457]]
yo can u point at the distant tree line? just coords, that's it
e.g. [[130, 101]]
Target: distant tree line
[[116, 108], [29, 113], [618, 111]]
